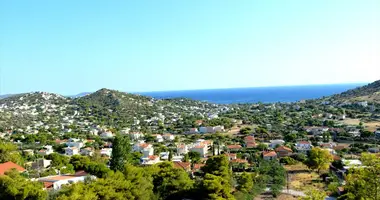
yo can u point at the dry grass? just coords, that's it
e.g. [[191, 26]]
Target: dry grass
[[301, 181], [371, 126], [297, 167], [350, 121]]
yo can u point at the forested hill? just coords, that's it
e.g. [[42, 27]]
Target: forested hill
[[370, 92], [105, 107]]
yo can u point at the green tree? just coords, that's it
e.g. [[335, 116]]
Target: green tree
[[195, 157], [364, 183], [170, 182], [14, 186], [170, 155], [8, 152], [319, 159], [134, 183], [245, 182], [216, 188], [313, 194], [246, 131], [121, 150], [218, 166]]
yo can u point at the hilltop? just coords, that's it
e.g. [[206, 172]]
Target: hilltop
[[370, 92], [31, 111]]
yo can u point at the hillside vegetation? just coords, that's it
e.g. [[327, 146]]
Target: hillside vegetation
[[370, 92]]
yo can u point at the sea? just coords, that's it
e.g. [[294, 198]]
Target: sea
[[257, 94]]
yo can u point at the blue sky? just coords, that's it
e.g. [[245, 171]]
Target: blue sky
[[72, 46]]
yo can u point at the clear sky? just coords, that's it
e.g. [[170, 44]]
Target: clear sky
[[73, 46]]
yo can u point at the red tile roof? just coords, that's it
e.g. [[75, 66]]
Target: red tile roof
[[269, 154], [303, 142], [239, 161], [198, 166], [283, 148], [153, 157], [48, 185], [8, 166], [234, 146], [249, 139], [183, 165], [144, 145], [251, 144], [81, 173]]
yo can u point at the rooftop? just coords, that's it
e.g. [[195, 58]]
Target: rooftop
[[269, 154], [8, 166]]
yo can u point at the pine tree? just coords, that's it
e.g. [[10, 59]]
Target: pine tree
[[121, 152]]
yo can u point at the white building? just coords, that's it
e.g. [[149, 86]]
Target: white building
[[87, 151], [136, 136], [193, 131], [151, 160], [56, 182], [147, 150], [70, 151], [41, 164], [274, 143], [201, 149], [74, 143], [106, 152], [303, 146], [219, 129], [182, 149], [169, 137], [158, 137], [106, 134], [363, 103], [47, 150]]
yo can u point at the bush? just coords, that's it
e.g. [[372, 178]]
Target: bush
[[288, 161]]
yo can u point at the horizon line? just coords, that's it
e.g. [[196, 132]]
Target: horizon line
[[270, 86]]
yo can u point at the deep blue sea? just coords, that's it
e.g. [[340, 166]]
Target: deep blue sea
[[257, 94]]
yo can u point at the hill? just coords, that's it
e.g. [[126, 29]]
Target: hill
[[109, 108], [370, 92]]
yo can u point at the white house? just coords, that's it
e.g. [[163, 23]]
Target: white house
[[342, 117], [151, 160], [354, 133], [168, 137], [147, 150], [363, 103], [56, 182], [72, 142], [193, 130], [41, 164], [70, 151], [87, 151], [219, 129], [106, 152], [182, 149], [274, 143], [106, 134], [47, 150], [201, 149], [164, 155], [303, 146], [136, 136], [158, 137]]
